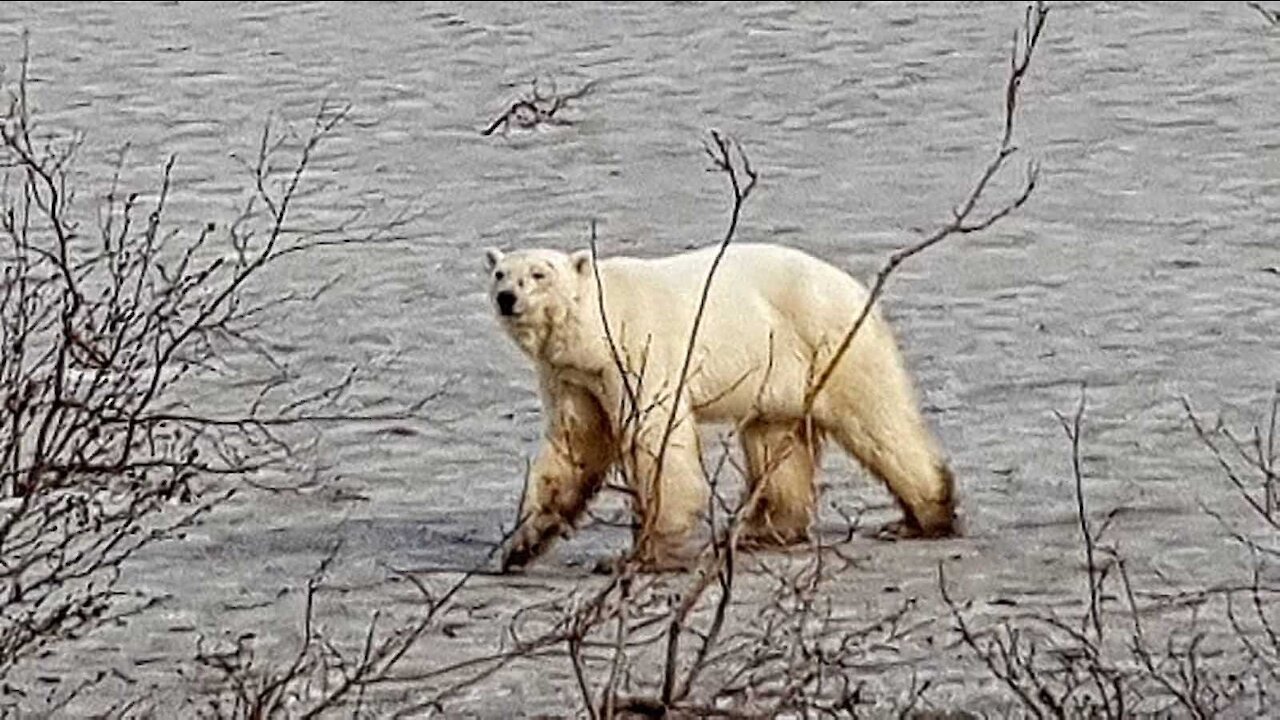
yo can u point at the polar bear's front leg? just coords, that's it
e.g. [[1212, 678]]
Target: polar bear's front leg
[[577, 451], [664, 472]]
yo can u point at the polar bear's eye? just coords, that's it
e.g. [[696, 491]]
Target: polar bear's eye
[[499, 275], [539, 275]]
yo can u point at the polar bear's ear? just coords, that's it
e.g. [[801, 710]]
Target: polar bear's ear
[[492, 256], [580, 261]]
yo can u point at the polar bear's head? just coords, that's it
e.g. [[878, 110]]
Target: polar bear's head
[[535, 291]]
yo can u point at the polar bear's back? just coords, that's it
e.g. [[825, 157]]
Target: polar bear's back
[[774, 315], [754, 285]]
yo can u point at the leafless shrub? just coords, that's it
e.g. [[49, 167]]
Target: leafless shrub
[[652, 645], [322, 676], [1249, 464], [108, 330], [1218, 654]]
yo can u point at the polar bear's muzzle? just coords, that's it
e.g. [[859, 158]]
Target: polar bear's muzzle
[[506, 301]]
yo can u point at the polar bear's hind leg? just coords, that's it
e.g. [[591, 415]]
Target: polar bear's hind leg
[[781, 460], [870, 408]]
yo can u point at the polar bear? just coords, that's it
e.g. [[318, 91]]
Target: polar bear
[[773, 319]]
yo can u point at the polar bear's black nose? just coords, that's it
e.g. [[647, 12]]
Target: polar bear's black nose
[[506, 302]]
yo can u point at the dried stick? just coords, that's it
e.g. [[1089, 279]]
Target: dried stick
[[1072, 428], [609, 695], [536, 109], [580, 673], [103, 450]]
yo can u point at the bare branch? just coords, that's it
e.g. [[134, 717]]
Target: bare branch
[[1072, 428], [961, 223], [1271, 16]]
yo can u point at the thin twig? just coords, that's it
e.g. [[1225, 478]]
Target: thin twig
[[722, 158], [1024, 46], [1072, 428]]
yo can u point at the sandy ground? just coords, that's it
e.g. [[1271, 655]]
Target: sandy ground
[[1145, 265]]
